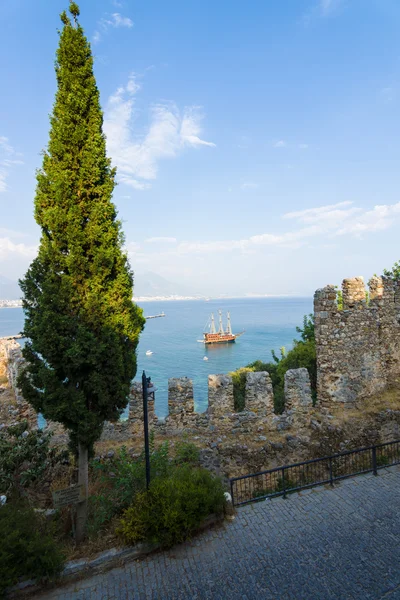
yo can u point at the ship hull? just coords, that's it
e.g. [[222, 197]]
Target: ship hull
[[215, 338], [219, 342]]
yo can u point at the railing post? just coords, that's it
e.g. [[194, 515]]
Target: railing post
[[374, 465], [330, 471], [283, 483], [146, 428], [232, 496]]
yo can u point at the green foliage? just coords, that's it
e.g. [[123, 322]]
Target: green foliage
[[80, 321], [307, 333], [24, 456], [339, 297], [394, 272], [239, 386], [118, 481], [173, 508], [302, 355], [188, 453], [28, 548]]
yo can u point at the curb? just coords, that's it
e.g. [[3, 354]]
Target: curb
[[82, 568]]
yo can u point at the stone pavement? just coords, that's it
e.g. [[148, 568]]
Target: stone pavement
[[340, 543]]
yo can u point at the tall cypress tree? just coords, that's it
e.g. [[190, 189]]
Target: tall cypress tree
[[80, 321]]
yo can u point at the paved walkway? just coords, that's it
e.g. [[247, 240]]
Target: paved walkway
[[341, 543]]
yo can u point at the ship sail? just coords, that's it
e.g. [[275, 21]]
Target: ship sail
[[212, 328], [221, 327], [228, 325]]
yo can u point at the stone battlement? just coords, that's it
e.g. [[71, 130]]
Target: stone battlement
[[358, 356], [220, 416], [358, 347]]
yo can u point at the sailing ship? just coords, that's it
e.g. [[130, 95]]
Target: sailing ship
[[222, 336]]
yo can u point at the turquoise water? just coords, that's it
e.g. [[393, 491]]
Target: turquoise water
[[269, 323]]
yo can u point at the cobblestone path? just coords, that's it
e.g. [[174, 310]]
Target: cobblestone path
[[340, 543]]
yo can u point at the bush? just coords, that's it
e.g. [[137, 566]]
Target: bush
[[24, 456], [186, 452], [239, 387], [117, 482], [28, 548], [173, 508], [303, 354]]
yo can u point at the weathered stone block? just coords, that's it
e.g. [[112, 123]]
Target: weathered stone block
[[353, 293], [297, 390], [259, 395], [180, 400], [220, 395]]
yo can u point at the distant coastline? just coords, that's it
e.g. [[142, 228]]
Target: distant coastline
[[207, 298], [10, 303], [175, 298]]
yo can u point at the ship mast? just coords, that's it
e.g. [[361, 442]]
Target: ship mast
[[221, 327], [212, 328], [228, 324]]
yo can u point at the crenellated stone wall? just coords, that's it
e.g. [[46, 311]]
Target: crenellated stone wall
[[358, 356], [358, 347]]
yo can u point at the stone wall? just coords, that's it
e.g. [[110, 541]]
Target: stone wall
[[358, 347], [358, 356], [13, 407], [220, 418]]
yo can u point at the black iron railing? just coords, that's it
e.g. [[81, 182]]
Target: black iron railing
[[291, 478]]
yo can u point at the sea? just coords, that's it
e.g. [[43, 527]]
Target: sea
[[268, 324]]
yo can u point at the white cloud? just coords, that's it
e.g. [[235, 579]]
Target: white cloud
[[114, 21], [170, 132], [379, 218], [332, 213], [249, 185], [8, 159], [322, 9], [327, 7], [8, 248], [388, 94], [303, 146], [324, 222], [161, 240], [280, 144]]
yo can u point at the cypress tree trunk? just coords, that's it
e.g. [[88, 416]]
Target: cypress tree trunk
[[83, 479], [81, 324]]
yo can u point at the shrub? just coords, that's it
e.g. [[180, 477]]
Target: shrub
[[28, 548], [303, 354], [119, 480], [239, 387], [24, 456], [186, 452], [173, 508]]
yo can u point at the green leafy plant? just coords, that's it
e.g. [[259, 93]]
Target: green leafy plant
[[186, 452], [302, 355], [118, 480], [24, 457], [81, 324], [239, 387], [339, 297], [394, 272], [28, 547], [173, 508]]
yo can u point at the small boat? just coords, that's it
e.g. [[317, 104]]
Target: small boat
[[222, 336], [205, 358], [149, 352]]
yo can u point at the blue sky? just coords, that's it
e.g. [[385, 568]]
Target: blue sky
[[257, 144]]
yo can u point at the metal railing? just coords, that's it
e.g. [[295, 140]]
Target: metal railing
[[299, 476]]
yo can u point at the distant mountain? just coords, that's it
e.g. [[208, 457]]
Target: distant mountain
[[151, 284], [9, 290], [146, 284]]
